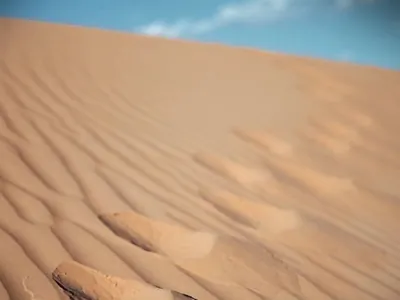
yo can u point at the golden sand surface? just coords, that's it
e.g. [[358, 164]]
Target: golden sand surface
[[137, 168]]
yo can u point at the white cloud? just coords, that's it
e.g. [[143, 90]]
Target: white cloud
[[160, 28], [346, 55], [244, 12], [343, 4], [250, 11]]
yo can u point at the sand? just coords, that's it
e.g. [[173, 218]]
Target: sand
[[143, 168]]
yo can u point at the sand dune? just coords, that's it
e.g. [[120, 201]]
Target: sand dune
[[141, 168]]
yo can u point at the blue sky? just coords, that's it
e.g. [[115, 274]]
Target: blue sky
[[361, 31]]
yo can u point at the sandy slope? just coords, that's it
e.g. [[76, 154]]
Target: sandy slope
[[139, 168]]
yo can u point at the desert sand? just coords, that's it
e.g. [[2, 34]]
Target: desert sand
[[143, 168]]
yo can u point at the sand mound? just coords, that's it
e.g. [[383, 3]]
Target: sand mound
[[80, 282], [151, 235]]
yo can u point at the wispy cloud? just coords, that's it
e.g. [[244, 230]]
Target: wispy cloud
[[250, 11], [343, 4], [346, 55], [245, 12]]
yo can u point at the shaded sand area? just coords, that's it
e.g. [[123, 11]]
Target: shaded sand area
[[139, 168]]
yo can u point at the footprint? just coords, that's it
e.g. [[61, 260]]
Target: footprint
[[315, 248], [309, 237], [263, 217], [332, 135], [354, 115], [314, 181], [267, 141], [322, 139], [221, 260], [245, 176]]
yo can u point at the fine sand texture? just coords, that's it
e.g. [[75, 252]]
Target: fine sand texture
[[137, 168]]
